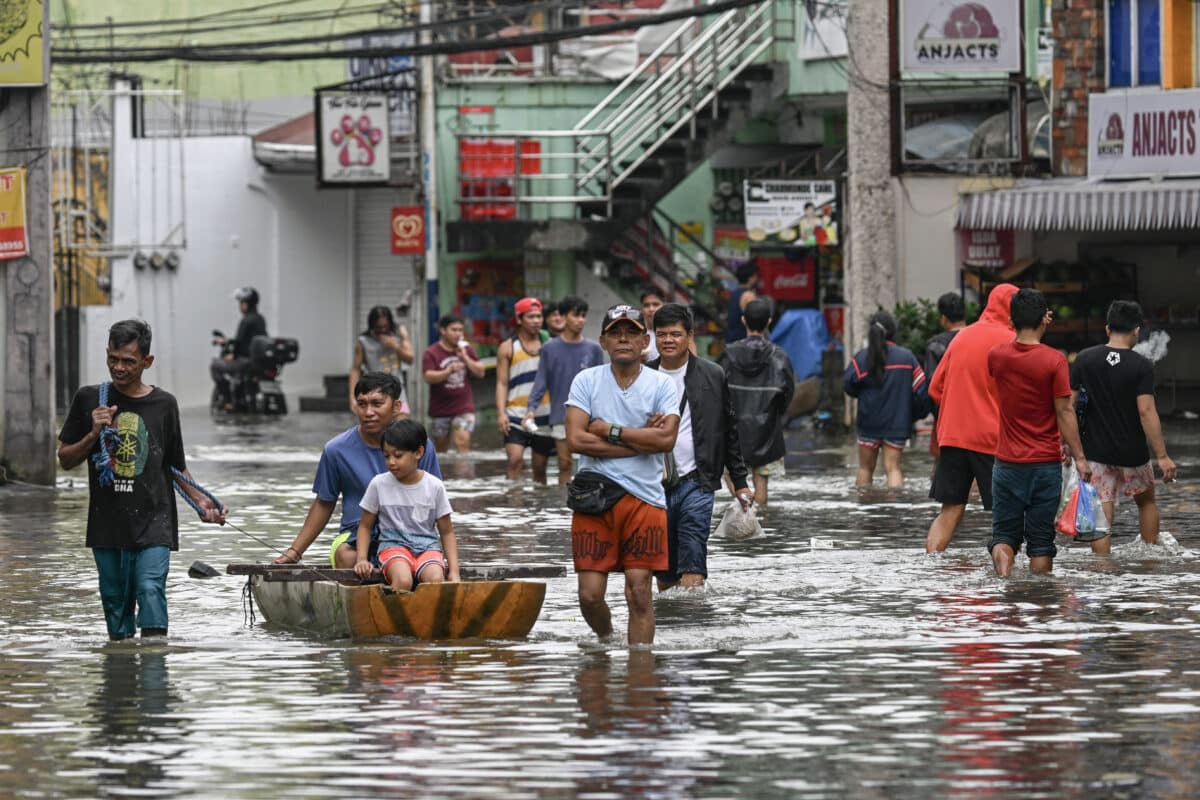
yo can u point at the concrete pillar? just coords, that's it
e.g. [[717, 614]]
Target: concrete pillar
[[870, 257], [29, 433]]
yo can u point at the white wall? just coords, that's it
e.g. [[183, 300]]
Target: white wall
[[244, 227], [925, 240]]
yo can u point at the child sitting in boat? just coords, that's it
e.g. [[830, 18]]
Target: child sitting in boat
[[415, 535]]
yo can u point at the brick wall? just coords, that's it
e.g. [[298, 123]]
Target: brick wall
[[1078, 71]]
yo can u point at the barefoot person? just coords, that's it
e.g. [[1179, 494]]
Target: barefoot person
[[621, 419], [1033, 389], [447, 365], [1118, 419], [516, 369], [133, 445]]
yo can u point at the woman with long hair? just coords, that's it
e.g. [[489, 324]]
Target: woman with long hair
[[383, 347], [892, 391]]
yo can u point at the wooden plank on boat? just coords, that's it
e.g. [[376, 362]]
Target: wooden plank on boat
[[471, 609], [480, 572]]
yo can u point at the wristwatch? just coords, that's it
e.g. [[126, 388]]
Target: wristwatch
[[614, 434]]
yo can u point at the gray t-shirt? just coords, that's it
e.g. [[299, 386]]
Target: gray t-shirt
[[407, 513], [560, 362]]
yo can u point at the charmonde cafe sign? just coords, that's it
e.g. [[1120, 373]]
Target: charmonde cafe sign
[[953, 36]]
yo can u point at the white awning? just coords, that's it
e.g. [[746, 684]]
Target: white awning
[[1069, 204]]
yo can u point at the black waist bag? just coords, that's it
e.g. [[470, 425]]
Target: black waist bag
[[592, 493]]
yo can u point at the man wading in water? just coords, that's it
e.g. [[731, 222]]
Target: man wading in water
[[132, 523], [621, 418]]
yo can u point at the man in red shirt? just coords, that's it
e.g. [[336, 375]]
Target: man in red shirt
[[1036, 415], [446, 365]]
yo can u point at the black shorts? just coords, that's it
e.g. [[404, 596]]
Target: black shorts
[[542, 445], [956, 469]]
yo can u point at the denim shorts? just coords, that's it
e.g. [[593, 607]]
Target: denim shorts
[[689, 520], [1024, 501]]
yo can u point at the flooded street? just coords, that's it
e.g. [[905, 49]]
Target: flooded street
[[828, 658]]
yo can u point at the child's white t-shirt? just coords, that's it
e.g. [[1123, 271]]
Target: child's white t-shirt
[[407, 513]]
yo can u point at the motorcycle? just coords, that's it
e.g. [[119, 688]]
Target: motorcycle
[[255, 388]]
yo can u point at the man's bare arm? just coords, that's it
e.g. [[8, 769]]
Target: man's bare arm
[[1152, 427], [318, 517]]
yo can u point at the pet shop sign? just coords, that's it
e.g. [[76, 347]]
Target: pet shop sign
[[353, 137]]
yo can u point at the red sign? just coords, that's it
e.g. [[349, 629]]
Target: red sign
[[781, 278], [986, 248], [14, 239], [835, 320], [408, 230]]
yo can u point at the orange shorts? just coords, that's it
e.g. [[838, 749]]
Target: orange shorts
[[415, 563], [630, 535]]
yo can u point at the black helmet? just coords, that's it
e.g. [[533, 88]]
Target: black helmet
[[246, 294]]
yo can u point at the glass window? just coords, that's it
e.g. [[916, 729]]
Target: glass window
[[1120, 39], [1134, 43], [1149, 50]]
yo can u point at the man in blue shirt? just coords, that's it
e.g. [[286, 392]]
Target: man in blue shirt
[[621, 419], [348, 463]]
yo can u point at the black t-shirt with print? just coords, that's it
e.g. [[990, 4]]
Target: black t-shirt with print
[[1112, 427], [138, 510]]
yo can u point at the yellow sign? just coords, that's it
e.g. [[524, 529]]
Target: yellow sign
[[690, 232], [22, 40], [14, 243]]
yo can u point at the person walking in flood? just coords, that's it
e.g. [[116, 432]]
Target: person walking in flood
[[130, 436], [621, 419], [1113, 392], [383, 347], [706, 447], [968, 425], [1033, 390], [517, 361], [447, 365], [892, 391]]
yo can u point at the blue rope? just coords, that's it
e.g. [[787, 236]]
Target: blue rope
[[187, 497]]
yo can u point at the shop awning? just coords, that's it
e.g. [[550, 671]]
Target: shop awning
[[1070, 204]]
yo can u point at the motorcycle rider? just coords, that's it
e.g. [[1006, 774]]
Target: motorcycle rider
[[236, 358]]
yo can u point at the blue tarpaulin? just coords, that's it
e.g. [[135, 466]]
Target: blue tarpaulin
[[801, 332]]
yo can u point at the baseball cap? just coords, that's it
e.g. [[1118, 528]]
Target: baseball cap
[[525, 305], [620, 312]]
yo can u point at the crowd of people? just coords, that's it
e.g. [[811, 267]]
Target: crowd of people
[[655, 431]]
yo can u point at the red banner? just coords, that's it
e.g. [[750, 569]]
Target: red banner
[[408, 230], [781, 278], [986, 248]]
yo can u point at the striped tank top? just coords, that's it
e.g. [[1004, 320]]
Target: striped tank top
[[521, 373]]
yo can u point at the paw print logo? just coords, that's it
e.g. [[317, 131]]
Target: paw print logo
[[356, 140], [1113, 359]]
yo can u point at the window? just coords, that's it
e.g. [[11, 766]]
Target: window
[[1134, 43]]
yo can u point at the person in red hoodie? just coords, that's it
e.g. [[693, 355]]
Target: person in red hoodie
[[968, 427]]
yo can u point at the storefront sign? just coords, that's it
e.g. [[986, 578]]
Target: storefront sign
[[394, 75], [791, 213], [353, 134], [783, 278], [1140, 134], [731, 245], [22, 43], [954, 37], [408, 230], [986, 248], [14, 240]]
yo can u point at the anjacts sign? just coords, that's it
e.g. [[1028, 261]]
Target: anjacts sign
[[949, 36], [1141, 135]]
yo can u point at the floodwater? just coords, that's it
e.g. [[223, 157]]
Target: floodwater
[[828, 658]]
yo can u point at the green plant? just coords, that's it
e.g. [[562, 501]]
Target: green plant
[[917, 321]]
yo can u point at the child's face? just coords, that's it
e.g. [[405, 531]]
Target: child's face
[[401, 463]]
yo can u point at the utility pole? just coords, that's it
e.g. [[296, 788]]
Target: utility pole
[[871, 262], [28, 383], [427, 120]]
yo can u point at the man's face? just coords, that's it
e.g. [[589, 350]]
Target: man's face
[[374, 411], [624, 342], [531, 322], [126, 364], [555, 322], [673, 340], [651, 304], [452, 334], [243, 306], [576, 320]]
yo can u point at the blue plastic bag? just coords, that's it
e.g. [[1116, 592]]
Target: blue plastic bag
[[1085, 511]]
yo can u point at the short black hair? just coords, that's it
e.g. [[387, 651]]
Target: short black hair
[[1124, 316], [446, 320], [757, 314], [572, 303], [674, 314], [950, 305], [1028, 309], [747, 271], [384, 382], [407, 435], [650, 291], [130, 330]]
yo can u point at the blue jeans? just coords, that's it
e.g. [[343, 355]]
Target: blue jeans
[[689, 520], [130, 578], [1024, 501]]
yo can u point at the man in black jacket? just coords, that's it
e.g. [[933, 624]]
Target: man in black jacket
[[707, 446], [761, 383], [236, 359]]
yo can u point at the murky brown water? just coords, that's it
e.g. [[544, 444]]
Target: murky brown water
[[829, 658]]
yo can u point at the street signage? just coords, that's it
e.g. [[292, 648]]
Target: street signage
[[1143, 134], [968, 36], [408, 230], [353, 137], [14, 239], [22, 43], [790, 213]]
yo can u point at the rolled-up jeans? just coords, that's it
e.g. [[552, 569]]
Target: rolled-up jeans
[[133, 580], [689, 521]]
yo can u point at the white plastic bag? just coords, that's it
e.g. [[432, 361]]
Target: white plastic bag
[[739, 523]]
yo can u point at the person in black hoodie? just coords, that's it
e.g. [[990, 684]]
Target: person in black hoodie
[[761, 383], [252, 324], [707, 445]]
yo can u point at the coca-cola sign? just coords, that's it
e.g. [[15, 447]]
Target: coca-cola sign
[[788, 278]]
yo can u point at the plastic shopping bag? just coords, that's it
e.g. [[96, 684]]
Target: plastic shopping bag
[[1066, 521], [1085, 511], [739, 523]]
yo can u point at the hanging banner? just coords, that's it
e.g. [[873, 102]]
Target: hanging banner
[[408, 230], [1143, 134], [793, 279], [22, 43], [353, 134], [14, 240], [989, 249], [951, 36], [791, 213]]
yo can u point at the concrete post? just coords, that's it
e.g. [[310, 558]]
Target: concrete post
[[29, 417], [870, 257]]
